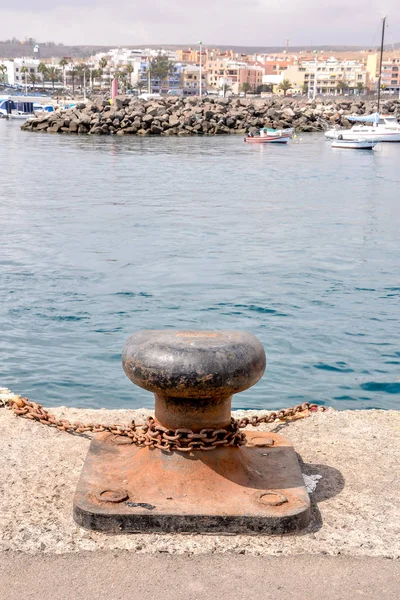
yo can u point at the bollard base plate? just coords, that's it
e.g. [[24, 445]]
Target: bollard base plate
[[257, 488]]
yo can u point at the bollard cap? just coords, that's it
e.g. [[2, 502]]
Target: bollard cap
[[187, 364]]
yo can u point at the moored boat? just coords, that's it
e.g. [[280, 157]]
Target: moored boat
[[23, 107], [268, 136], [377, 127], [380, 128], [354, 144]]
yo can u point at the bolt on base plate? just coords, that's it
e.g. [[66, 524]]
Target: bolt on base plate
[[256, 488]]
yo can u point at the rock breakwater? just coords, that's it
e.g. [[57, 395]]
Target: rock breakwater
[[202, 116]]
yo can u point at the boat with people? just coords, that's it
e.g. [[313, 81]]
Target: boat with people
[[359, 144], [268, 136]]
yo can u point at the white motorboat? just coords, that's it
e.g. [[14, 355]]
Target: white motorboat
[[380, 128], [359, 144]]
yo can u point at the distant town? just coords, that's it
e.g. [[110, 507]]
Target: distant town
[[200, 70]]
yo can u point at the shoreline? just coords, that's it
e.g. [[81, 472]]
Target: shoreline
[[355, 508]]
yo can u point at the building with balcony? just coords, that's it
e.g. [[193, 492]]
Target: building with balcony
[[191, 80], [390, 71], [237, 72]]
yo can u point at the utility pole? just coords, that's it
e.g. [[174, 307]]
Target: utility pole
[[315, 75], [201, 69]]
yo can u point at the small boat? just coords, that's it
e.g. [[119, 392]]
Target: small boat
[[23, 107], [359, 144], [268, 136]]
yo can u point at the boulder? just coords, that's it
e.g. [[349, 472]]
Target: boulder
[[173, 120], [156, 129]]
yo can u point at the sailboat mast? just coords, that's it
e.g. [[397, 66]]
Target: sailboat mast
[[380, 62]]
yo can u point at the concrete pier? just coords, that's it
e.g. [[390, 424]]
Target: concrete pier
[[355, 506]]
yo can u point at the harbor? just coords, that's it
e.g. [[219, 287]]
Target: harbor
[[199, 307]]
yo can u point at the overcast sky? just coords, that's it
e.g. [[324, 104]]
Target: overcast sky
[[239, 22]]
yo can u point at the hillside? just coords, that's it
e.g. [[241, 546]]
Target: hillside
[[18, 50]]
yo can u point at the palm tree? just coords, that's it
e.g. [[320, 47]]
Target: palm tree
[[53, 74], [42, 69], [63, 63], [73, 73], [245, 87], [95, 74], [24, 71], [129, 71], [285, 86], [225, 87], [3, 70], [103, 63], [139, 87], [32, 79], [80, 71], [121, 76]]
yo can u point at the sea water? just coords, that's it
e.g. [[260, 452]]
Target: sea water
[[103, 236]]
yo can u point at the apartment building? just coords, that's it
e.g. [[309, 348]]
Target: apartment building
[[390, 71], [15, 74], [236, 72]]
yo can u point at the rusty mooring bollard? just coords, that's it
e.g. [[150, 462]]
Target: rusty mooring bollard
[[193, 471]]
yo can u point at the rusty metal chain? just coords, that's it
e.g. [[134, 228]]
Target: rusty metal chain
[[153, 435]]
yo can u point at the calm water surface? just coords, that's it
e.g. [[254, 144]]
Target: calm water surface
[[101, 237]]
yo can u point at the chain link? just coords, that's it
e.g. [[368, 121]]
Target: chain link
[[153, 435]]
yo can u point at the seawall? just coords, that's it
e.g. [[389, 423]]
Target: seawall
[[202, 116]]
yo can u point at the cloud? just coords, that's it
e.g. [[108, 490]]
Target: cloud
[[239, 22]]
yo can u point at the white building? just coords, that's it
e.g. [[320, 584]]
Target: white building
[[14, 76]]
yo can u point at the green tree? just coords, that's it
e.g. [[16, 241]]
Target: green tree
[[341, 86], [160, 67], [139, 87], [121, 77], [95, 74], [63, 63], [32, 79], [360, 87], [80, 70], [25, 71], [103, 63], [265, 87], [225, 87], [3, 71], [54, 75], [245, 87], [42, 69], [129, 71], [285, 86], [73, 74]]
